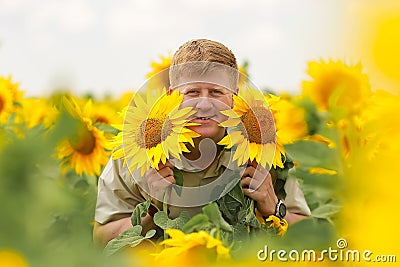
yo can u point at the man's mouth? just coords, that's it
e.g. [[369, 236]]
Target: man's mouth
[[203, 118]]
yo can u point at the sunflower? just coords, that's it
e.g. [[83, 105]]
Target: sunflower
[[157, 67], [159, 76], [103, 116], [320, 139], [101, 113], [36, 111], [255, 132], [6, 104], [335, 84], [243, 73], [193, 247], [12, 87], [98, 113], [9, 96], [154, 131], [86, 151], [290, 119], [319, 170], [123, 101], [12, 258], [280, 225]]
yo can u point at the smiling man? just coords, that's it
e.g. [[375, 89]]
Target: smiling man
[[206, 73]]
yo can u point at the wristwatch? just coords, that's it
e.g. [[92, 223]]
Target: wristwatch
[[280, 209]]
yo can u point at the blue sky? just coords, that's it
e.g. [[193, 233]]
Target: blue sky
[[104, 47]]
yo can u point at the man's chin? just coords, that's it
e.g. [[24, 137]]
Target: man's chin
[[205, 132]]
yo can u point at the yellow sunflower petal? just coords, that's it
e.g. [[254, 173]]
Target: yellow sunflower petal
[[230, 123]]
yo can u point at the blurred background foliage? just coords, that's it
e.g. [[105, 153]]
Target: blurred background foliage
[[341, 132]]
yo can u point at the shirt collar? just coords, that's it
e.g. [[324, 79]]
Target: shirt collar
[[222, 162]]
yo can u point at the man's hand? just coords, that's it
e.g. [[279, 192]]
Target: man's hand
[[257, 184], [158, 181]]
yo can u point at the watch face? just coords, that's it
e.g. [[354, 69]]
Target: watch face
[[282, 210]]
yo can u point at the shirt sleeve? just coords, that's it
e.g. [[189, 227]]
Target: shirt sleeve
[[295, 200], [118, 194]]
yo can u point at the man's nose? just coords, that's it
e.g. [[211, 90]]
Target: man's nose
[[204, 103]]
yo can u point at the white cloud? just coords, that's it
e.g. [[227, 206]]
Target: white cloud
[[211, 6], [262, 38], [129, 18], [14, 6], [73, 16], [66, 15], [108, 44], [135, 18]]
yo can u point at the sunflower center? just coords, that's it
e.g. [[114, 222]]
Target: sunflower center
[[154, 131], [259, 126], [102, 119], [1, 104], [84, 142]]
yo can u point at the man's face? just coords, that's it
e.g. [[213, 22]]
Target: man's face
[[208, 99]]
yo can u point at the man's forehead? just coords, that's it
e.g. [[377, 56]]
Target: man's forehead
[[215, 78], [202, 85]]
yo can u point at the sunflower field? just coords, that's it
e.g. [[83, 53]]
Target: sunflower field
[[340, 132]]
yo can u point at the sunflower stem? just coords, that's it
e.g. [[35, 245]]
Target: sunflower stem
[[151, 242], [165, 206]]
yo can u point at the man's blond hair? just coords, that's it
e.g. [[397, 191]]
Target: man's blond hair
[[200, 53]]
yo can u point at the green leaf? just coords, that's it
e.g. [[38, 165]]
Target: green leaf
[[179, 181], [241, 237], [326, 211], [311, 116], [129, 238], [313, 233], [117, 244], [139, 212], [214, 215], [251, 218], [106, 128], [212, 212], [134, 231], [162, 220], [283, 173], [241, 234], [233, 188], [237, 193], [150, 233], [231, 203], [199, 221], [312, 154]]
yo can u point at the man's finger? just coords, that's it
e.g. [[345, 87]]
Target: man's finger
[[248, 182], [170, 179], [167, 164], [249, 171], [252, 163], [166, 171]]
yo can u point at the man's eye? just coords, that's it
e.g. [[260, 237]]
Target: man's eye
[[191, 92], [217, 92]]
